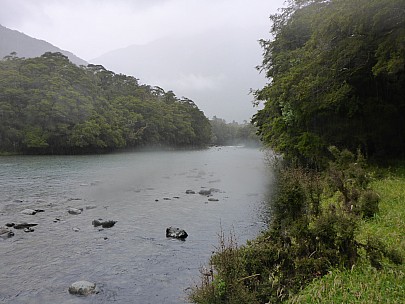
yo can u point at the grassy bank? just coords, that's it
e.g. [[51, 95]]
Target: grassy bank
[[335, 237], [364, 283]]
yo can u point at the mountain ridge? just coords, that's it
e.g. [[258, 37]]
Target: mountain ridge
[[27, 46]]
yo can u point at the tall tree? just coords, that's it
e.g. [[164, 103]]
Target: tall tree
[[336, 73]]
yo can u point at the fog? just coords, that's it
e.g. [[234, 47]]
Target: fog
[[204, 50]]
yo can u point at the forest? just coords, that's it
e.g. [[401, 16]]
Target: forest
[[49, 105], [233, 133]]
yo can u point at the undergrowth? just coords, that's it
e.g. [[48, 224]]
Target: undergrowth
[[320, 227]]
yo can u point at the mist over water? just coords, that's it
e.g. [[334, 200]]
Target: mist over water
[[132, 262]]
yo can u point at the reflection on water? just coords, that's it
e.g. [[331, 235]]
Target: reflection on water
[[145, 192]]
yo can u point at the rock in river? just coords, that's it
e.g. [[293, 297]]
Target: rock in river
[[28, 212], [205, 192], [75, 211], [5, 233], [104, 224], [83, 288], [176, 233], [24, 225]]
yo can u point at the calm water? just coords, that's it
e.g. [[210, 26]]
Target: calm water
[[132, 262]]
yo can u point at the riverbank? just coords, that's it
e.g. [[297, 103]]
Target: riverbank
[[335, 238], [363, 283]]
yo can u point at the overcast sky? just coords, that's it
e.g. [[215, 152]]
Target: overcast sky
[[90, 28]]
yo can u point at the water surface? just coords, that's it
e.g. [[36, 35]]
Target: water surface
[[132, 262]]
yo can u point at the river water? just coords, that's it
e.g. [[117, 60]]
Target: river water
[[132, 262]]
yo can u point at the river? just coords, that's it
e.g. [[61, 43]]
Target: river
[[132, 262]]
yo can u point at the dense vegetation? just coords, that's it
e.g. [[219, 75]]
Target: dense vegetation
[[337, 77], [49, 105], [336, 98], [233, 133]]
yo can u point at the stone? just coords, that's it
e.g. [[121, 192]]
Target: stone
[[104, 224], [75, 211], [5, 233], [205, 192], [24, 225], [29, 229], [75, 229], [83, 288], [190, 192], [211, 199], [28, 212], [176, 233]]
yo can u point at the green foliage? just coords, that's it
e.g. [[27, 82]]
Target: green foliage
[[337, 77], [49, 105], [225, 281]]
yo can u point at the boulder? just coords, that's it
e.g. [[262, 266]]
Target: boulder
[[176, 233], [75, 211], [83, 288], [28, 212], [5, 233]]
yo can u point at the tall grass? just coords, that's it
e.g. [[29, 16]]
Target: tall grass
[[363, 283]]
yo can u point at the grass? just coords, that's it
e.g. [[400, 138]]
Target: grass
[[363, 283]]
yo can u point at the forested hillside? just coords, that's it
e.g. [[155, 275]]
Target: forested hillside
[[49, 105]]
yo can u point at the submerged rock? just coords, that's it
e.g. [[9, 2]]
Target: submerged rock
[[75, 211], [83, 288], [205, 192], [24, 225], [176, 233], [28, 212], [5, 233]]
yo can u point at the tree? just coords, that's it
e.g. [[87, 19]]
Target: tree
[[336, 73]]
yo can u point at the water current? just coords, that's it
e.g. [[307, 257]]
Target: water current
[[145, 192]]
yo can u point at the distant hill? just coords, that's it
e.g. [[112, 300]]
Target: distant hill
[[215, 69], [26, 46]]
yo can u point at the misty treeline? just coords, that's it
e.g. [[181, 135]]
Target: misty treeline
[[50, 105], [337, 77], [233, 133]]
